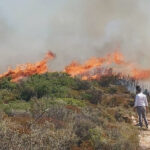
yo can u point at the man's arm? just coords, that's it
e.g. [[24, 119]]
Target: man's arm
[[135, 103], [146, 104], [147, 109]]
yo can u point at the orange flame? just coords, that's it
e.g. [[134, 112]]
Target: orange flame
[[28, 69], [93, 68], [127, 68], [141, 74], [76, 68]]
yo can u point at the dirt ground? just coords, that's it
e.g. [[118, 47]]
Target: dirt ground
[[144, 135]]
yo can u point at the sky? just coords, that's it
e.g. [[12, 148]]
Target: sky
[[73, 29]]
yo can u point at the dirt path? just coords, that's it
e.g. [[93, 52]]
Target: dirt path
[[144, 136]]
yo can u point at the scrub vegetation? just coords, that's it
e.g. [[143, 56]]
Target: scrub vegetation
[[54, 111]]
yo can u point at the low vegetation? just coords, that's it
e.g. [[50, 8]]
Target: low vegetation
[[54, 111]]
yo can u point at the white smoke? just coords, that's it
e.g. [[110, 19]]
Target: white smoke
[[76, 29]]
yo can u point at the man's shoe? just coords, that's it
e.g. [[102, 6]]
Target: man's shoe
[[137, 124]]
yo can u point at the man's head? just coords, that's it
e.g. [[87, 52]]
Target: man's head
[[138, 89]]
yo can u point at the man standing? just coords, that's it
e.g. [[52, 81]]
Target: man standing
[[141, 106]]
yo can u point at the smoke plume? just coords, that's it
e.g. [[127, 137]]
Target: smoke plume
[[73, 30]]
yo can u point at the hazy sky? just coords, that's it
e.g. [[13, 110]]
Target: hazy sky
[[73, 29]]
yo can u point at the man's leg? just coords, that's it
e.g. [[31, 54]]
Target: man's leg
[[139, 111], [144, 116]]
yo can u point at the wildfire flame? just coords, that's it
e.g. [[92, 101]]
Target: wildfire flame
[[141, 74], [93, 68], [28, 69], [76, 68], [117, 58]]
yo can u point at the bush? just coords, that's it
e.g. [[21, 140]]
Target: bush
[[116, 138], [115, 100], [5, 83], [54, 111], [112, 90], [99, 139], [61, 115], [105, 81], [39, 137], [7, 96], [126, 140], [49, 84], [74, 102], [82, 127], [81, 84], [93, 95], [26, 91]]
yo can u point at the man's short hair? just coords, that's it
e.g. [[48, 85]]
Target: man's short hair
[[138, 88]]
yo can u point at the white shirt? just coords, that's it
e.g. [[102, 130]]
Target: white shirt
[[141, 100]]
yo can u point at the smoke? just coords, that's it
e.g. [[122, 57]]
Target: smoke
[[74, 30]]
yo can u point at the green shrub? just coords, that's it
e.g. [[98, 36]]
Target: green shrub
[[127, 139], [5, 83], [62, 114], [122, 89], [7, 109], [105, 81], [49, 84], [93, 95], [112, 90], [116, 138], [7, 96], [52, 108], [99, 139], [82, 128], [40, 137], [26, 92], [81, 84], [19, 105], [115, 100], [74, 102]]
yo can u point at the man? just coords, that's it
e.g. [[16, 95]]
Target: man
[[141, 106]]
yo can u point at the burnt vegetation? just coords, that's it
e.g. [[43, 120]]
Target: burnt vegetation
[[57, 112]]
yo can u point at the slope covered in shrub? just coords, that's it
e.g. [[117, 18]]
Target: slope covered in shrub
[[57, 112]]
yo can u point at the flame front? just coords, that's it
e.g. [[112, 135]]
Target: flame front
[[93, 68], [76, 68], [141, 74], [97, 64], [28, 69]]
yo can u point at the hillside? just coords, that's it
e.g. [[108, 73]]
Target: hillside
[[54, 111]]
